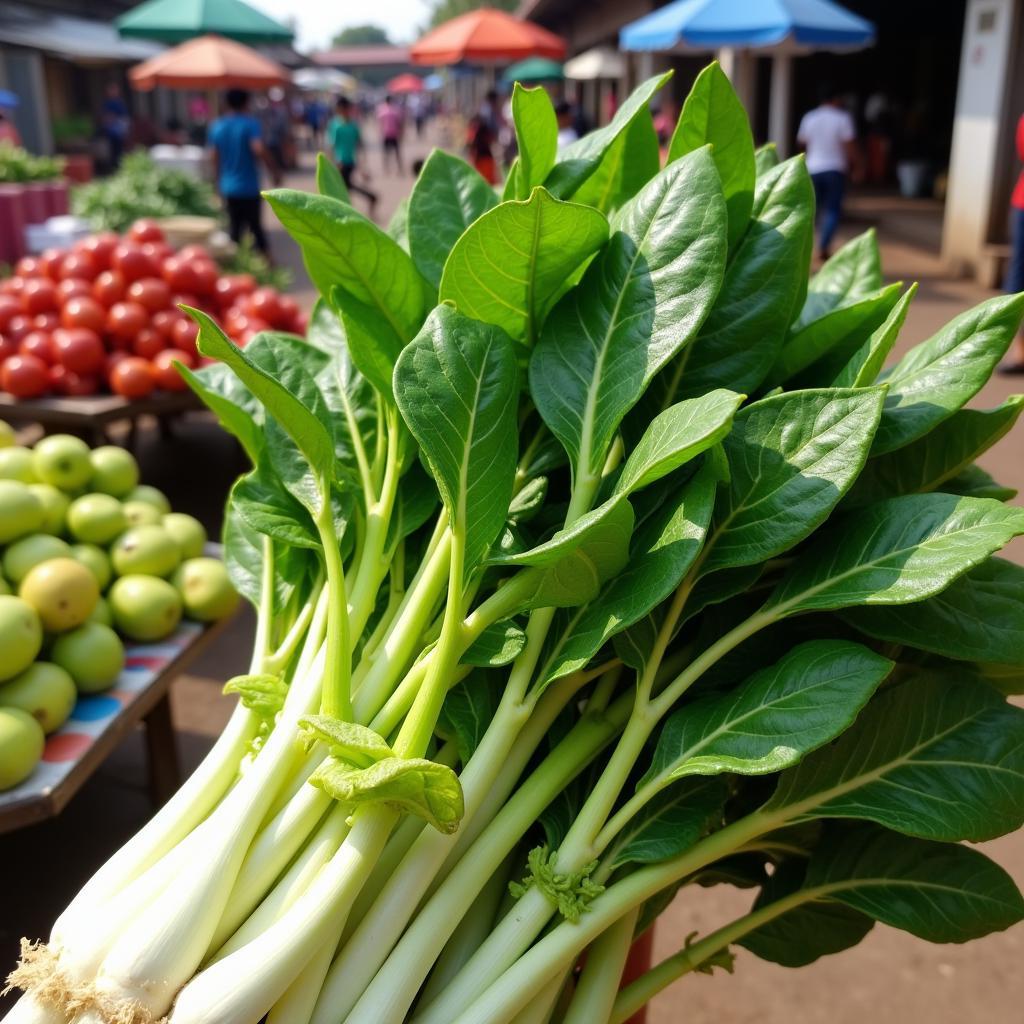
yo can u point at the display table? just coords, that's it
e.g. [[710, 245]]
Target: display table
[[99, 722]]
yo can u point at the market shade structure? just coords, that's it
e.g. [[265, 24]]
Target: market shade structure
[[177, 21], [534, 69], [600, 62], [783, 28], [486, 36], [208, 63], [405, 83], [324, 80]]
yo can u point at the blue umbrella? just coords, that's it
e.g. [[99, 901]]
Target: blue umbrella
[[710, 24], [8, 98]]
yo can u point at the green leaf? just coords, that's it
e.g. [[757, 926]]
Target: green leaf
[[765, 158], [412, 785], [329, 181], [497, 645], [529, 501], [456, 386], [676, 436], [774, 719], [398, 226], [638, 304], [852, 273], [712, 113], [230, 401], [896, 552], [364, 274], [628, 164], [864, 366], [979, 617], [791, 458], [262, 693], [262, 500], [347, 741], [468, 709], [937, 377], [243, 555], [974, 482], [927, 463], [767, 271], [537, 135], [448, 196], [925, 758], [579, 160], [508, 266]]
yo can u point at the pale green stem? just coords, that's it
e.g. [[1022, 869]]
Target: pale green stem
[[602, 974]]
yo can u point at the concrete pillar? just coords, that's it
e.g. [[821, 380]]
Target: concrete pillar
[[740, 67], [780, 128], [980, 121]]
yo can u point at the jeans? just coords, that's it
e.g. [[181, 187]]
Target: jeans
[[244, 212], [1015, 271], [829, 187]]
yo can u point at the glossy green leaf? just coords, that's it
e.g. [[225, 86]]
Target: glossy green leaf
[[497, 645], [628, 164], [537, 135], [398, 226], [937, 377], [638, 304], [896, 552], [456, 386], [974, 482], [447, 197], [267, 506], [712, 113], [791, 458], [926, 758], [468, 709], [509, 265], [329, 181], [864, 366], [980, 617], [230, 401], [243, 555], [852, 273], [529, 501], [765, 158]]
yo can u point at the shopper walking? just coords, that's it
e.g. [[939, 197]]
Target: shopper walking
[[389, 120], [1015, 272], [827, 135], [345, 141]]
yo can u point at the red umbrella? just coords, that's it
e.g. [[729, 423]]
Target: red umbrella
[[209, 62], [405, 83], [486, 36]]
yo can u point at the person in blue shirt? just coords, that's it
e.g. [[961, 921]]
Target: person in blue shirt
[[237, 148]]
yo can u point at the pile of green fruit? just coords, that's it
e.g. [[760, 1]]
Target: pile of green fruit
[[87, 556]]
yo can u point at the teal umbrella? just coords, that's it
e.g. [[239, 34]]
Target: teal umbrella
[[177, 21], [534, 69]]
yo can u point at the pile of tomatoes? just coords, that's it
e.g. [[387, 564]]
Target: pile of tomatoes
[[104, 314]]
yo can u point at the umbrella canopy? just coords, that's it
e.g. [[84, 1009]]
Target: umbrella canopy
[[486, 36], [405, 83], [324, 80], [433, 82], [534, 69], [797, 25], [8, 98], [208, 63], [600, 62], [177, 21]]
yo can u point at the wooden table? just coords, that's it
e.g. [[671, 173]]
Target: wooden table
[[89, 416], [100, 721]]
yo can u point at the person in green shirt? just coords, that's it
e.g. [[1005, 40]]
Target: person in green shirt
[[344, 141]]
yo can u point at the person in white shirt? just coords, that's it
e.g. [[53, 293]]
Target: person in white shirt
[[567, 133], [827, 135]]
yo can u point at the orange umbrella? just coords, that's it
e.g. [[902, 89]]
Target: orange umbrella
[[486, 36], [209, 62], [405, 83]]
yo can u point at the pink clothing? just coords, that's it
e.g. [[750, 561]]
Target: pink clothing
[[389, 117]]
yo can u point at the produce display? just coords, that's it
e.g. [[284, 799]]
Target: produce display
[[104, 315], [88, 557], [596, 557], [18, 165]]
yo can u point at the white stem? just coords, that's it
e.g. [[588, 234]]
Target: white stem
[[29, 1010]]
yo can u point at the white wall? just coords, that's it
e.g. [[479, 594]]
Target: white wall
[[981, 119]]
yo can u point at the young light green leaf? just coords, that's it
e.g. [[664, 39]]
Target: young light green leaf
[[638, 304], [329, 181], [529, 501], [537, 135], [712, 113], [497, 645], [628, 164], [791, 457], [980, 617], [925, 758], [974, 482], [743, 333], [765, 158], [925, 464], [347, 741], [852, 273], [896, 552], [774, 719], [508, 266], [456, 386], [675, 436], [262, 693], [447, 197], [937, 377], [864, 366]]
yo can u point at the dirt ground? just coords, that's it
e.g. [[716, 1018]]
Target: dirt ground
[[889, 978]]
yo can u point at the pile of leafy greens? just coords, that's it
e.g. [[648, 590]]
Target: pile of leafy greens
[[597, 556]]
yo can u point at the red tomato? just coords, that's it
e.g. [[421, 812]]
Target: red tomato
[[80, 384], [8, 347], [46, 322], [263, 303], [73, 286], [164, 321], [126, 319], [113, 358], [167, 375], [230, 288], [39, 296], [301, 324], [186, 299], [133, 263], [108, 288], [157, 251], [38, 344], [9, 307], [79, 264], [146, 230], [24, 377], [193, 252], [179, 273], [82, 311], [205, 273], [80, 350], [50, 261], [147, 343], [185, 333], [100, 247], [132, 377], [18, 326], [12, 286], [288, 310], [150, 292], [28, 266]]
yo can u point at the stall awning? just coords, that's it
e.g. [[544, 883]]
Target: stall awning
[[78, 40], [600, 62]]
